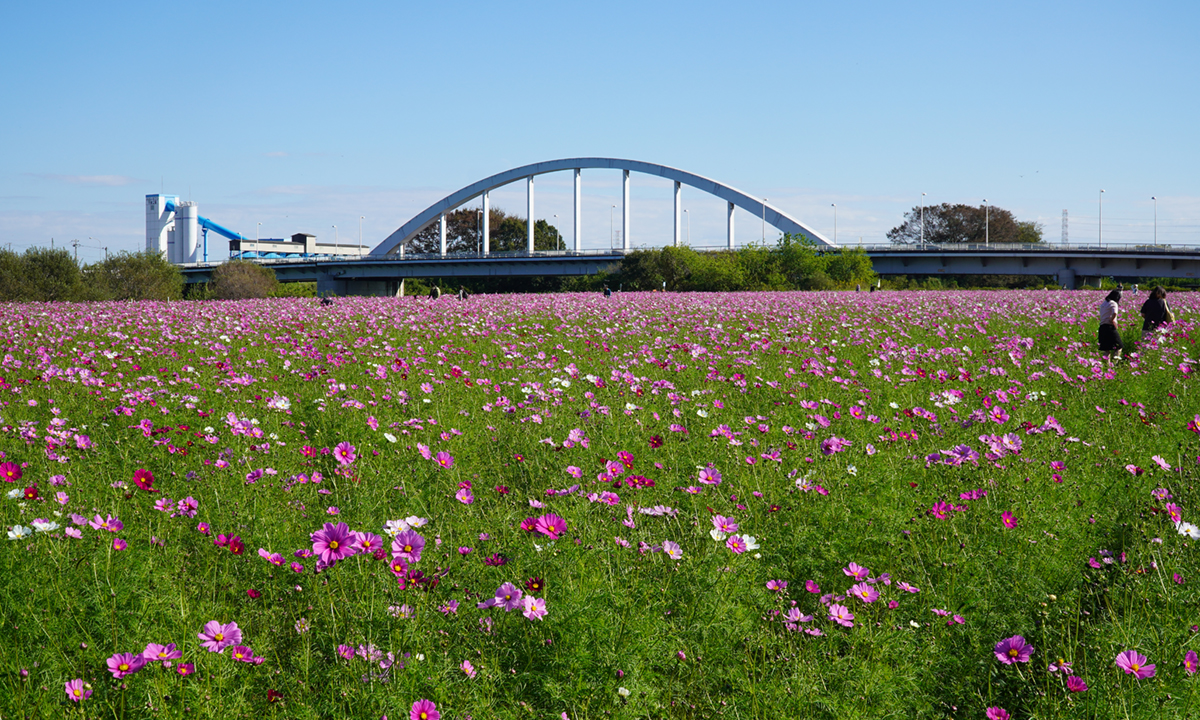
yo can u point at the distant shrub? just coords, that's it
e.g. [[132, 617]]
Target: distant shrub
[[240, 280], [135, 276]]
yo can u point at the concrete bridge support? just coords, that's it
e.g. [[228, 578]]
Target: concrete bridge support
[[330, 284]]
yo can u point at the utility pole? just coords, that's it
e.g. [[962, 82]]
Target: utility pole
[[75, 242]]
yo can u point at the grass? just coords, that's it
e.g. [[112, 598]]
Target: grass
[[630, 633]]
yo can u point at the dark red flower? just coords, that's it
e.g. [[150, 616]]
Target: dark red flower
[[236, 546], [535, 585], [503, 489], [254, 594], [656, 442], [274, 696], [31, 492], [144, 479]]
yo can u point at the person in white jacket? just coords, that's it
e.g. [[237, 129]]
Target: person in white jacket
[[1110, 338]]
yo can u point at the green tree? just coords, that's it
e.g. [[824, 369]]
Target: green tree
[[241, 279], [135, 276], [12, 277], [1029, 232], [762, 268], [950, 224], [849, 267], [506, 233], [51, 275]]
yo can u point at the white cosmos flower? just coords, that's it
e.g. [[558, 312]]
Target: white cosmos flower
[[623, 691], [389, 437], [395, 527], [852, 469], [702, 412], [44, 525], [751, 542], [717, 535], [416, 521], [1187, 528], [15, 493], [19, 532]]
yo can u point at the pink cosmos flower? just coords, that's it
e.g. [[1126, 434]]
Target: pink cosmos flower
[[709, 476], [464, 496], [841, 615], [724, 524], [161, 653], [468, 668], [574, 472], [1076, 684], [865, 592], [273, 558], [77, 690], [109, 523], [551, 525], [856, 571], [777, 585], [332, 543], [10, 472], [408, 546], [444, 459], [535, 608], [812, 587], [1134, 663], [1009, 520], [242, 653], [215, 637], [344, 453], [736, 544], [1013, 649], [997, 713], [1191, 662], [123, 664], [119, 544], [424, 710], [673, 550]]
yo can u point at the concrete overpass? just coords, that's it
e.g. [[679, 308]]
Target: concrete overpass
[[1070, 265]]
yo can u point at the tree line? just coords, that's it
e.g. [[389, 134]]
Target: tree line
[[951, 224]]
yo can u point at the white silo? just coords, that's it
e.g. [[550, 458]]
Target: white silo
[[187, 232], [160, 223]]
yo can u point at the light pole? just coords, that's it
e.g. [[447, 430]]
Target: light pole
[[257, 232], [834, 206], [1100, 231], [922, 221], [764, 222], [610, 226], [688, 221], [478, 232], [337, 246], [986, 223], [1155, 199], [360, 219], [556, 230]]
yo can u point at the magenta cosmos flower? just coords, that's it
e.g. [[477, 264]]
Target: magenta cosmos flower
[[333, 542], [444, 459], [424, 710], [865, 592], [1013, 649], [1134, 663], [216, 637], [551, 525], [1191, 662], [841, 615], [997, 713], [144, 479], [77, 690], [10, 472], [408, 546], [161, 653], [1009, 520], [1076, 683], [123, 664], [344, 453]]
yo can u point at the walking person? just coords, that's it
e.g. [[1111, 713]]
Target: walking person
[[1110, 338]]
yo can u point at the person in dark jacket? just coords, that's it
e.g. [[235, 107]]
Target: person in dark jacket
[[1154, 310]]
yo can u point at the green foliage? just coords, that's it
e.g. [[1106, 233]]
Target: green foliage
[[295, 290], [41, 274], [1029, 231], [241, 280], [958, 223], [142, 275]]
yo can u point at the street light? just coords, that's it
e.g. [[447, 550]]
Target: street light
[[556, 229], [1155, 199], [834, 206], [764, 222], [1100, 232], [610, 227], [922, 221], [986, 222], [337, 249], [688, 221], [257, 232], [360, 219], [478, 232]]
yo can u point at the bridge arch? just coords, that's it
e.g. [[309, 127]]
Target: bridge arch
[[395, 242]]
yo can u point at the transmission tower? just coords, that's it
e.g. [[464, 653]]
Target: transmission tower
[[1064, 228]]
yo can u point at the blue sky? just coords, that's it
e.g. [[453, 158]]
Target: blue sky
[[305, 115]]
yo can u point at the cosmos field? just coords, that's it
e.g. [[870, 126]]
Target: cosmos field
[[826, 505]]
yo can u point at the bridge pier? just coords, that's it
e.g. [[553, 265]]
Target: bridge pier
[[729, 227], [330, 284], [578, 209], [1066, 278]]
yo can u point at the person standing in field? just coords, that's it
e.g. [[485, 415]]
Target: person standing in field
[[1110, 339], [1154, 311]]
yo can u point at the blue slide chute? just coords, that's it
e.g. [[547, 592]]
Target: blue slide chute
[[207, 224]]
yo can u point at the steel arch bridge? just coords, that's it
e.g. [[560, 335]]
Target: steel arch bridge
[[397, 241]]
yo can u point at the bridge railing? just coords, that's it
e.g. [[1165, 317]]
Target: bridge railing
[[1029, 247]]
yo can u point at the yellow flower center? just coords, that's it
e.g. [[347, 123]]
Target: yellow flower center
[[333, 544], [219, 637], [125, 666], [408, 548], [1135, 667], [1013, 652], [76, 692]]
